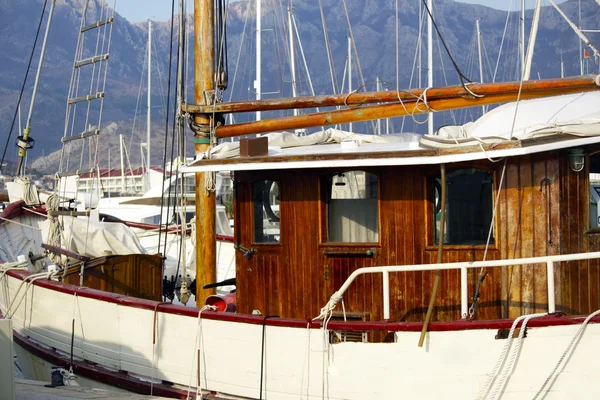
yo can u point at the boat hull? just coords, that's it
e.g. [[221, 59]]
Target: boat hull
[[122, 341]]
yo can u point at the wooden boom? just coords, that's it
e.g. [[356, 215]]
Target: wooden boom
[[439, 99], [578, 83]]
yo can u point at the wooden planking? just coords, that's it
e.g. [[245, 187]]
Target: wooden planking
[[137, 275], [541, 212]]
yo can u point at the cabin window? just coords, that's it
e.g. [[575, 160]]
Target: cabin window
[[265, 201], [594, 176], [469, 207], [352, 207]]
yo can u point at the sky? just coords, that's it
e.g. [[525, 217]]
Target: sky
[[160, 10]]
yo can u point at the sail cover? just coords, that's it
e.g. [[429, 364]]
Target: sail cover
[[574, 114], [96, 238]]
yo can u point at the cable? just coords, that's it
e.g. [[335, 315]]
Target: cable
[[162, 192], [12, 125], [461, 76]]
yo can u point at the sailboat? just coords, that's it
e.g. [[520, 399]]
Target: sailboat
[[461, 265]]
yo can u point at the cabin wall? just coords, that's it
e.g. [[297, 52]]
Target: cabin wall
[[579, 281], [137, 275], [541, 211]]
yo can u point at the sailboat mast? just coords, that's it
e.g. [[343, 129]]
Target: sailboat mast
[[349, 73], [257, 82], [23, 141], [480, 57], [206, 260], [149, 99], [430, 60], [522, 38]]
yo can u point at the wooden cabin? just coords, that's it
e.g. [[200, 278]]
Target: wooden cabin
[[303, 231], [323, 223], [519, 184]]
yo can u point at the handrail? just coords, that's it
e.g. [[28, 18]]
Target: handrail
[[463, 266]]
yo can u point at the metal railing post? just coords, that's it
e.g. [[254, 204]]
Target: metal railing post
[[551, 299], [386, 295], [464, 293]]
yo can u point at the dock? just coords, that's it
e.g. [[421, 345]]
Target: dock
[[36, 390]]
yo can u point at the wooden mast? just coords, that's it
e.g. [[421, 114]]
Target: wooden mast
[[206, 260]]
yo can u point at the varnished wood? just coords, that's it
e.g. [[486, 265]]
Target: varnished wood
[[408, 95], [541, 211], [137, 275], [389, 110], [206, 249]]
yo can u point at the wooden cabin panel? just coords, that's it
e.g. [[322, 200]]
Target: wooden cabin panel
[[137, 275], [572, 275], [542, 210], [527, 219], [258, 267], [300, 237]]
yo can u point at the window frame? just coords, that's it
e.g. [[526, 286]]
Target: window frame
[[429, 212], [252, 213], [589, 229], [324, 211]]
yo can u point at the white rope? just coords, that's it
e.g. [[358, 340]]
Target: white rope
[[54, 226], [501, 363], [329, 307], [326, 349], [306, 368], [199, 340], [566, 354], [193, 231], [4, 268], [29, 280]]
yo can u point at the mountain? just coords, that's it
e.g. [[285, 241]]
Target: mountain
[[373, 26]]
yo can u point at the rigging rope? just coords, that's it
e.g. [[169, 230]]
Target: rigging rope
[[162, 192], [12, 125], [461, 76], [566, 354], [501, 365]]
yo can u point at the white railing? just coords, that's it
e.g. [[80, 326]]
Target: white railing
[[463, 266]]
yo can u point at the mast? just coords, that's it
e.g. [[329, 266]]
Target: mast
[[522, 38], [149, 91], [257, 82], [292, 55], [147, 173], [430, 60], [480, 58], [23, 142], [122, 163], [206, 261], [532, 39], [349, 73]]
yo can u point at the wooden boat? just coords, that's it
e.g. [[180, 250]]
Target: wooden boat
[[462, 265]]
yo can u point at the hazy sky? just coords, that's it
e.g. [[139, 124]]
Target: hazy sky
[[160, 10]]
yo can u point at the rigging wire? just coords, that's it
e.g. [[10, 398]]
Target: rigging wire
[[12, 125], [162, 192], [461, 76], [360, 73], [330, 62]]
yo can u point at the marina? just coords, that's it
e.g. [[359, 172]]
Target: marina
[[459, 263]]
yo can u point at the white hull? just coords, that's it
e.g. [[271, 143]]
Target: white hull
[[117, 334]]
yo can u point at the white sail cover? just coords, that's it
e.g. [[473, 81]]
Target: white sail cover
[[573, 114], [95, 238], [282, 140]]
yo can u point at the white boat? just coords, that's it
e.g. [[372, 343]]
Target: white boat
[[344, 241]]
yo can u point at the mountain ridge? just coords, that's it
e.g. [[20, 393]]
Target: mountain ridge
[[373, 27]]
